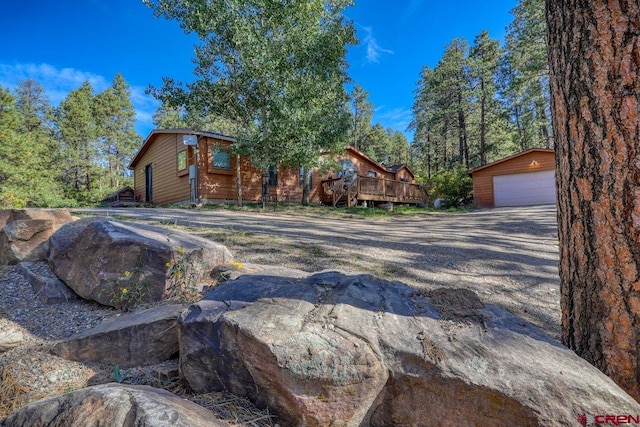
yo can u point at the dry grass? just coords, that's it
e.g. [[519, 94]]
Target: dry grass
[[11, 393], [235, 410]]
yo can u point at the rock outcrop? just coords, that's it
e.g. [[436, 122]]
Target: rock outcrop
[[113, 405], [355, 350], [46, 285], [24, 233], [120, 264], [138, 338]]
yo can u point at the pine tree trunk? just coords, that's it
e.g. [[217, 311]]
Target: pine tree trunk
[[594, 50], [483, 126], [239, 180], [462, 134]]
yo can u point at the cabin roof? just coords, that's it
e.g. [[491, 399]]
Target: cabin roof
[[398, 168], [149, 140], [367, 158]]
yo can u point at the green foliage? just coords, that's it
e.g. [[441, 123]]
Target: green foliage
[[129, 290], [525, 76], [168, 117], [441, 111], [68, 156], [119, 375], [454, 186], [481, 104], [361, 113], [383, 145], [27, 151], [78, 134], [274, 69], [117, 140]]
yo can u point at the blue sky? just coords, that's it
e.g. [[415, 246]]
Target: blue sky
[[62, 43]]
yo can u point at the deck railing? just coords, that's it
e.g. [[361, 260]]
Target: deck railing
[[365, 188]]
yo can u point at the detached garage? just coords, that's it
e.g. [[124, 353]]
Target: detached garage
[[524, 179]]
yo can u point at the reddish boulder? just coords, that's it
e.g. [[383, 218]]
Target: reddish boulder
[[24, 233], [121, 264], [336, 350], [114, 405]]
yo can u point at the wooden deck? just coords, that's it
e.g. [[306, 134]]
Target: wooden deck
[[377, 190]]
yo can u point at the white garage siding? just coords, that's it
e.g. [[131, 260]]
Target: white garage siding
[[522, 189]]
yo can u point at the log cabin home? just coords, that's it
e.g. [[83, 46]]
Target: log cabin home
[[168, 171]]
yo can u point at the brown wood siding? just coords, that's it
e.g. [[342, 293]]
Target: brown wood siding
[[404, 175], [168, 186], [483, 179], [215, 185], [219, 185], [364, 165]]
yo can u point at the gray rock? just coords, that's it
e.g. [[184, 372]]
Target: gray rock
[[355, 350], [10, 338], [226, 272], [120, 264], [24, 233], [132, 339], [25, 240], [113, 405], [47, 287]]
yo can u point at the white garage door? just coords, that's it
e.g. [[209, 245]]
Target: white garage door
[[522, 189]]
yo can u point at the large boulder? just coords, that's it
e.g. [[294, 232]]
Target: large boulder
[[24, 233], [139, 338], [336, 350], [114, 405], [121, 264]]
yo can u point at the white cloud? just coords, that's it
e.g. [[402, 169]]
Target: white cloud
[[396, 118], [412, 8], [58, 82], [374, 50]]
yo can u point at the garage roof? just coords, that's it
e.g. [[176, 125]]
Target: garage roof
[[506, 159]]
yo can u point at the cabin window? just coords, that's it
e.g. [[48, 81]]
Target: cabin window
[[182, 160], [404, 179], [349, 171], [372, 174], [273, 176], [220, 159]]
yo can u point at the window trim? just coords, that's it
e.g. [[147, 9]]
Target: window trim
[[214, 148], [186, 163]]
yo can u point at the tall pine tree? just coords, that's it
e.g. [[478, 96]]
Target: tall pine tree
[[78, 138], [115, 120]]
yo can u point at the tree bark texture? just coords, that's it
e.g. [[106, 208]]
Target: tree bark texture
[[594, 57]]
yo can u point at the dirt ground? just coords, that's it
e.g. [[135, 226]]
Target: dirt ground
[[509, 256]]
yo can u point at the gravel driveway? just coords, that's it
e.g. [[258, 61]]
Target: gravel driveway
[[509, 256]]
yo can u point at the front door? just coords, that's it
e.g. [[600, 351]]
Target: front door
[[148, 179]]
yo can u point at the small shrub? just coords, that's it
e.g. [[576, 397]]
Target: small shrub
[[182, 273], [130, 290], [119, 375], [454, 186], [9, 199]]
